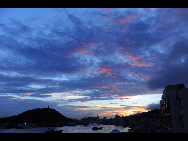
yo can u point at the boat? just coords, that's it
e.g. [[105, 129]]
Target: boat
[[51, 130], [97, 128]]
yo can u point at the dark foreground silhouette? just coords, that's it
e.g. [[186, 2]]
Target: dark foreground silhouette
[[40, 117]]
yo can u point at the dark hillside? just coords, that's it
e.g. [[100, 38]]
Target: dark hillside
[[37, 115], [149, 114]]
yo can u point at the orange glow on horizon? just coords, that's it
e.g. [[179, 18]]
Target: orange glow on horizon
[[84, 109], [123, 112], [117, 110], [107, 113]]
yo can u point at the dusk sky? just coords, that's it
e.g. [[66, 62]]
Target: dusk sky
[[84, 62]]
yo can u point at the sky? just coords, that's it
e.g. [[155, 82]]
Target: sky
[[89, 61]]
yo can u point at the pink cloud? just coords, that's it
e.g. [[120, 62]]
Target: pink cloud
[[135, 61], [108, 74], [85, 48], [81, 51], [103, 70], [124, 20], [142, 64], [106, 9], [131, 17]]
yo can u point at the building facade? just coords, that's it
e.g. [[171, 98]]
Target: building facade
[[174, 109], [157, 120]]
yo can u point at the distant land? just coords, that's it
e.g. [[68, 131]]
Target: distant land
[[51, 117], [149, 114], [39, 115]]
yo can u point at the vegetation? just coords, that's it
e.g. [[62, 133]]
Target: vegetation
[[37, 116], [138, 116]]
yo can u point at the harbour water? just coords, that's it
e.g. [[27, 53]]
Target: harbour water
[[69, 129]]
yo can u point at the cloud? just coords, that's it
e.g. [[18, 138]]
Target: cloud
[[15, 106], [42, 55], [94, 54], [73, 106], [139, 27], [174, 68], [122, 111], [6, 97], [153, 106]]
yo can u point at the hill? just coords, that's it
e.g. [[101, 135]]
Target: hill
[[37, 116], [138, 116], [149, 114]]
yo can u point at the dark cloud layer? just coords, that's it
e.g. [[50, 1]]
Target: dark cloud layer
[[103, 54], [174, 68], [153, 106]]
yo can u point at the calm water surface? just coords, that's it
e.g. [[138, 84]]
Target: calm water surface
[[69, 129]]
